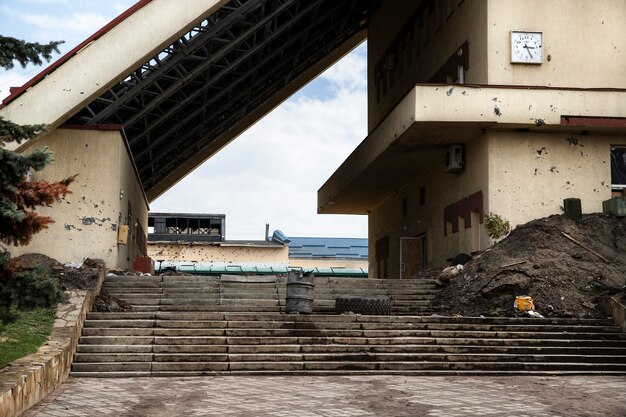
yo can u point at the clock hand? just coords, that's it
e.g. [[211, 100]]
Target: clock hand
[[528, 50]]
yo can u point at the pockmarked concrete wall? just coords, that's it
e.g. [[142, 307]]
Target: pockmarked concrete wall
[[421, 48], [441, 190], [86, 222], [305, 263], [134, 211], [186, 252], [530, 174], [584, 42], [248, 255]]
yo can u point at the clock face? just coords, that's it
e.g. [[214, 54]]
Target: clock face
[[526, 47]]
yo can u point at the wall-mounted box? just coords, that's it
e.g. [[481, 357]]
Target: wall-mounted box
[[122, 234]]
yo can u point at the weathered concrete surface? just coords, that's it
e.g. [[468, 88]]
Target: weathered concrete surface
[[617, 310], [26, 381], [310, 396]]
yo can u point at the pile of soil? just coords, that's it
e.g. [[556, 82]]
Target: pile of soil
[[83, 278], [105, 302], [565, 266]]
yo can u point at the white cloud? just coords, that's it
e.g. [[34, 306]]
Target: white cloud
[[350, 72]]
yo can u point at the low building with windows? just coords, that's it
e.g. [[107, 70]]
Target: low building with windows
[[196, 243]]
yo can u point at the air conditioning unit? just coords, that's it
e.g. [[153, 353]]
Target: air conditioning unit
[[455, 158]]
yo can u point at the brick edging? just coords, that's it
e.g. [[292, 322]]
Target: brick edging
[[27, 381]]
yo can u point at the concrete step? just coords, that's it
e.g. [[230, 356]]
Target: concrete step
[[346, 372], [243, 316], [382, 341], [341, 325], [140, 297], [343, 365], [250, 296], [355, 333], [214, 307], [321, 348], [344, 357]]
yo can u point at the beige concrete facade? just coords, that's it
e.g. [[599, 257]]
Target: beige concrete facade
[[308, 263], [533, 134], [584, 40], [423, 42], [219, 253], [546, 169], [238, 254], [106, 195]]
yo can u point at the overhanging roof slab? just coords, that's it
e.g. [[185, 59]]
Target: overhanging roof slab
[[431, 117], [105, 60]]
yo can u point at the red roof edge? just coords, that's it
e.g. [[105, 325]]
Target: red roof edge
[[15, 92]]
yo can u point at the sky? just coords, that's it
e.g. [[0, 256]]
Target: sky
[[270, 173]]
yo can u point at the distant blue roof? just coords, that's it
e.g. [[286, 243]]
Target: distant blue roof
[[328, 247], [280, 237]]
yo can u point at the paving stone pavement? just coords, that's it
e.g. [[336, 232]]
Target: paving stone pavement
[[311, 396]]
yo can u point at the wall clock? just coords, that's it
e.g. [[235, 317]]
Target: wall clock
[[526, 47]]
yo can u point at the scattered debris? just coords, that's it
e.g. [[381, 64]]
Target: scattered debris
[[584, 247], [447, 274], [514, 263], [524, 306], [461, 259]]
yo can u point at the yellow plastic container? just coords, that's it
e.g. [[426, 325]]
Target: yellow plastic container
[[524, 303]]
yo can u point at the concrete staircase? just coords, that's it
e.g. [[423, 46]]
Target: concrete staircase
[[202, 326], [261, 293]]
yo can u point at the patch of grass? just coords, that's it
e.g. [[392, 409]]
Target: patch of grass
[[24, 335]]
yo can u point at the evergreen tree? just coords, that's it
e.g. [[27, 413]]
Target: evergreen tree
[[19, 196]]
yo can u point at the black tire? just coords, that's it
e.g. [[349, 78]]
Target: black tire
[[371, 306]]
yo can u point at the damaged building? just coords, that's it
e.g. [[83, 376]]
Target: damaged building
[[482, 107]]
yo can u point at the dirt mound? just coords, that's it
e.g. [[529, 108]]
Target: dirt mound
[[83, 278], [105, 302], [563, 265]]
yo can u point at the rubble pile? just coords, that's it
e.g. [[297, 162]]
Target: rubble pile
[[565, 266]]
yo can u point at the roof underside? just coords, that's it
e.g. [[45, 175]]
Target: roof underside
[[190, 94]]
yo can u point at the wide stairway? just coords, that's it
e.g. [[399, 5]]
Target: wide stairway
[[188, 326]]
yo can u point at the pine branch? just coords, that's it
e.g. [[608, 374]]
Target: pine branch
[[12, 132], [14, 166], [12, 49]]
